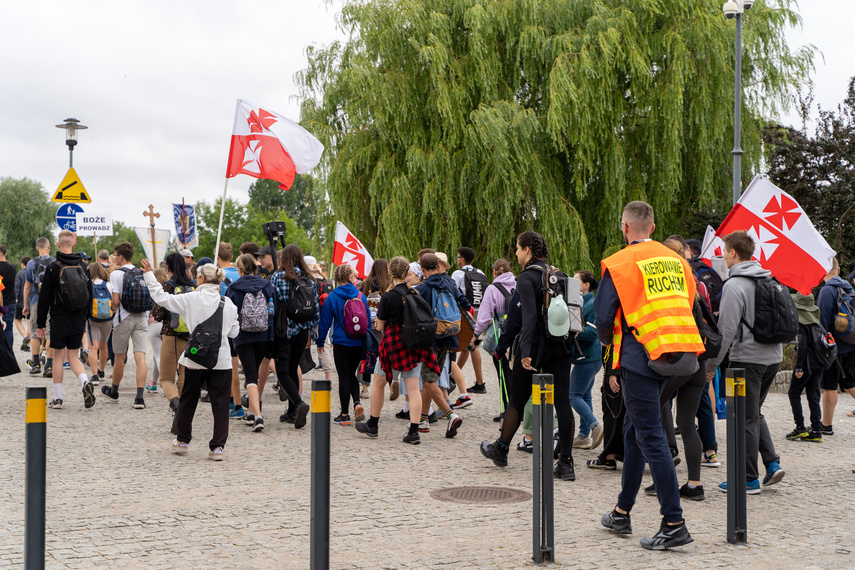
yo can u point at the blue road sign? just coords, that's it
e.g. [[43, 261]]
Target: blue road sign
[[66, 216]]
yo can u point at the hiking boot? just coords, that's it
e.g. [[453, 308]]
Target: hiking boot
[[814, 436], [35, 369], [827, 430], [495, 453], [48, 371], [797, 433], [696, 494], [774, 474], [396, 390], [412, 438], [55, 404], [477, 389], [107, 392], [363, 427], [300, 415], [668, 537], [564, 471], [88, 395], [605, 464], [454, 422], [617, 522]]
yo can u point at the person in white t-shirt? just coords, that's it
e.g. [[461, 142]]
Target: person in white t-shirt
[[465, 257]]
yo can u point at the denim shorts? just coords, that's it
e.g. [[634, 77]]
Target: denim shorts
[[399, 374]]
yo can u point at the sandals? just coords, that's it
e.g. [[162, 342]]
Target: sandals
[[606, 464]]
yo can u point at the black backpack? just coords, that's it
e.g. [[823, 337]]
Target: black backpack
[[475, 284], [708, 329], [776, 319], [73, 289], [822, 345], [419, 328], [711, 280], [300, 306], [203, 347], [554, 288], [39, 269]]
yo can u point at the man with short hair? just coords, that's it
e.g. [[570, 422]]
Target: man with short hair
[[761, 361], [842, 373], [127, 327], [249, 247], [68, 323], [188, 257], [465, 257], [104, 258], [7, 277], [35, 271]]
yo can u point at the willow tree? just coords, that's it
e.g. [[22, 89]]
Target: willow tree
[[464, 122]]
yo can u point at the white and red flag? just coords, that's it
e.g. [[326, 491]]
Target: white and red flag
[[267, 145], [349, 251], [787, 243], [712, 246]]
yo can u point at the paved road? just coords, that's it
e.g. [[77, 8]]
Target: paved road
[[116, 496]]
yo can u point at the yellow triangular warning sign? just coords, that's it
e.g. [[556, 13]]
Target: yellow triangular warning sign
[[71, 189]]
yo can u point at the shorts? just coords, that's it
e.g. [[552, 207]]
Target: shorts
[[70, 340], [428, 375], [232, 349], [445, 375], [134, 328], [99, 331], [19, 312], [399, 374], [34, 312], [841, 373]]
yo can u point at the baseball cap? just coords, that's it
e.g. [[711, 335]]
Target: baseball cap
[[204, 261], [84, 256], [186, 253], [266, 250]]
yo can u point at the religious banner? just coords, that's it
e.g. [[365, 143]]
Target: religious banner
[[185, 225], [158, 246]]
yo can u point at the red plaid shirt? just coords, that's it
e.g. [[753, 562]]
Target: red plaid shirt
[[395, 356]]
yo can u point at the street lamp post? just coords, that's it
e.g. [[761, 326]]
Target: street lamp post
[[735, 9], [71, 127]]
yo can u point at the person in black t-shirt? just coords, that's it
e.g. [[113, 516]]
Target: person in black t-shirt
[[8, 274]]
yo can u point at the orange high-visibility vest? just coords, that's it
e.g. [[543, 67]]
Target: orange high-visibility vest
[[656, 292]]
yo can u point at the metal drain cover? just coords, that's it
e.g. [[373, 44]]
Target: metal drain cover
[[481, 495]]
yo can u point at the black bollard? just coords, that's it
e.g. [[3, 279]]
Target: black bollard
[[543, 485], [737, 518], [320, 491], [34, 516]]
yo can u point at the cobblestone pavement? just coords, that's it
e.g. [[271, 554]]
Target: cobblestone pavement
[[116, 496]]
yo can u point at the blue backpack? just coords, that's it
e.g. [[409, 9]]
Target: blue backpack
[[101, 298], [446, 313]]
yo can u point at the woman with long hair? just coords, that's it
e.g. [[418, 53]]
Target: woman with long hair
[[373, 287], [587, 361], [288, 347]]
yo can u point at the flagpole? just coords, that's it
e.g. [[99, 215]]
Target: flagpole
[[220, 226], [183, 219]]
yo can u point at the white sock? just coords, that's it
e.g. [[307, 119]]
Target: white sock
[[691, 486], [407, 406], [83, 379], [430, 409], [259, 417], [57, 391]]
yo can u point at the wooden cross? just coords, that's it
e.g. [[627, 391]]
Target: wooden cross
[[151, 215]]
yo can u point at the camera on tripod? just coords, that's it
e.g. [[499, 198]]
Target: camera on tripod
[[273, 231]]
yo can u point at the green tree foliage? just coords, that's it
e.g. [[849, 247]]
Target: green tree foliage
[[819, 171], [464, 122], [26, 215], [298, 202]]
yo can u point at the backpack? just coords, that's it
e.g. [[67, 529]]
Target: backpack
[[822, 345], [419, 327], [445, 311], [844, 320], [39, 269], [203, 346], [101, 298], [708, 329], [490, 339], [711, 279], [356, 321], [562, 315], [253, 312], [325, 287], [300, 306], [475, 284], [73, 290], [776, 319], [176, 321], [135, 295]]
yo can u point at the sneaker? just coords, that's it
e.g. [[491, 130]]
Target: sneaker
[[101, 374], [35, 369], [151, 388], [283, 395], [139, 404], [463, 401], [617, 522], [216, 454], [206, 399], [363, 392], [412, 438], [597, 433], [605, 464], [179, 448], [454, 422], [668, 537], [651, 490], [258, 424], [556, 444], [84, 357], [56, 404], [564, 471], [287, 417], [751, 487], [827, 430], [710, 461], [814, 436], [244, 401], [88, 395], [696, 494], [25, 346], [774, 474], [248, 419], [797, 433], [402, 415], [581, 442], [107, 392], [358, 413], [494, 453], [48, 371], [526, 445], [95, 380], [477, 389], [66, 366], [363, 427], [342, 420], [236, 413], [424, 426], [433, 417], [396, 390], [300, 415]]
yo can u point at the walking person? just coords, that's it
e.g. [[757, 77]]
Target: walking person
[[807, 373], [627, 301], [36, 268], [100, 323], [842, 374], [587, 361], [23, 328], [196, 307], [472, 282], [7, 277]]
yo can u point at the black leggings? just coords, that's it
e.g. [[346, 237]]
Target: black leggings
[[347, 359], [613, 415], [688, 390], [287, 365], [520, 391], [251, 354]]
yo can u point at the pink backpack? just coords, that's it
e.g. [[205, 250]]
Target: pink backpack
[[356, 321]]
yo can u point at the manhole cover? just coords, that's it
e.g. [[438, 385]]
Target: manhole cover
[[480, 495]]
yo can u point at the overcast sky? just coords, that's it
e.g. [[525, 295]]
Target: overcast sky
[[156, 83]]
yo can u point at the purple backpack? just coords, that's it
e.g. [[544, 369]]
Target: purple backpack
[[356, 321]]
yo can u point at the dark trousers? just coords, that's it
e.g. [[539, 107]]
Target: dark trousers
[[645, 442], [687, 390], [251, 354], [809, 383], [706, 420], [758, 380], [9, 319], [347, 359], [613, 416], [219, 389], [287, 362]]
